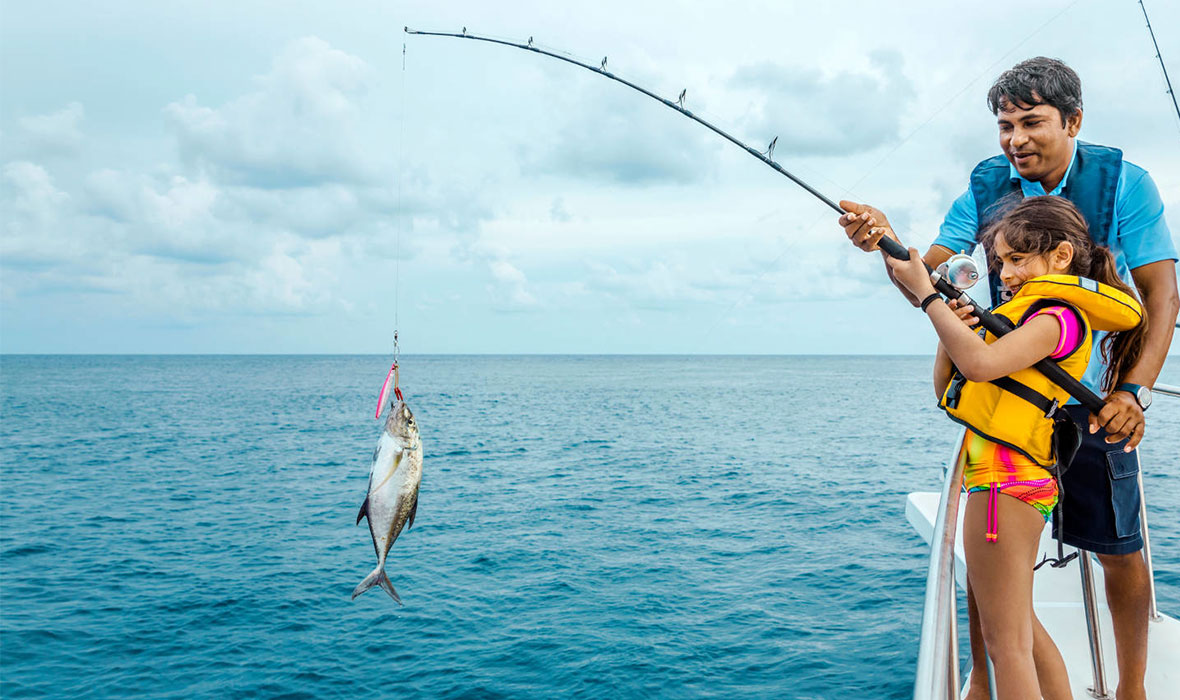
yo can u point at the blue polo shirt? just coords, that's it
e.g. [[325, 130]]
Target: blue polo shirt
[[1140, 235]]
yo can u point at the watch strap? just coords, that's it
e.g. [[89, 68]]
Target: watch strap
[[1134, 390]]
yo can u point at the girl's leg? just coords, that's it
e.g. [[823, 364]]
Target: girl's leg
[[1001, 575], [1051, 671]]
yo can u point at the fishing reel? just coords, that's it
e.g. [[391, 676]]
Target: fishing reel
[[960, 271]]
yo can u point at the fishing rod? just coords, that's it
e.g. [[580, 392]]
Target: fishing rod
[[1164, 68], [678, 105], [997, 325]]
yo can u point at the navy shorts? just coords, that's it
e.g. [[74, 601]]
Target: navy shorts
[[1100, 494]]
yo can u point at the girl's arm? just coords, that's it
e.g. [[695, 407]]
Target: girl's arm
[[976, 359], [942, 371], [981, 362], [943, 367]]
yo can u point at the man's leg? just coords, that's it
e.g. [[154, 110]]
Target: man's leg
[[1128, 593], [1101, 512]]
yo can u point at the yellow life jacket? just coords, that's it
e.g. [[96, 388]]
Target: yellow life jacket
[[1017, 411]]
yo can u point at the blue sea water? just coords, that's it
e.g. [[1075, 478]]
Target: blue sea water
[[588, 526]]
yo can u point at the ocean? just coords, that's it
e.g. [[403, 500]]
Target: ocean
[[588, 526]]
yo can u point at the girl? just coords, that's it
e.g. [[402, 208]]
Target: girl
[[1044, 255]]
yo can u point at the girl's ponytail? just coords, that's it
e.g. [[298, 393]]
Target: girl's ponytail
[[1120, 351]]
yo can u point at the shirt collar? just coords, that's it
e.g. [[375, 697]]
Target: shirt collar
[[1031, 189]]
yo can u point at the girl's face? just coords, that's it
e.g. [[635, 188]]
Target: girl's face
[[1018, 268]]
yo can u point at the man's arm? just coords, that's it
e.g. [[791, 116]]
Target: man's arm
[[865, 226], [1161, 302], [1146, 242], [1121, 416]]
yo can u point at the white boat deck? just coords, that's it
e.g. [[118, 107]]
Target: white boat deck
[[1057, 598]]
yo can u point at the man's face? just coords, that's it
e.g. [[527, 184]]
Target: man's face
[[1034, 140]]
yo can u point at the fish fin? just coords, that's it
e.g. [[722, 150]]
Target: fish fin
[[397, 460], [363, 512], [388, 586], [413, 512], [377, 577]]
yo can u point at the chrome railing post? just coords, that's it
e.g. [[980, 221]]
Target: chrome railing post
[[1166, 390], [1089, 600], [1155, 611], [952, 623], [937, 676]]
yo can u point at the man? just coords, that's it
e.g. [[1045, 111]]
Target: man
[[1038, 105]]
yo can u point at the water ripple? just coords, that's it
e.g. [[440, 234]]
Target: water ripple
[[588, 527]]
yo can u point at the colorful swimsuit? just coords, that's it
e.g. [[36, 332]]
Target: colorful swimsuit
[[988, 466]]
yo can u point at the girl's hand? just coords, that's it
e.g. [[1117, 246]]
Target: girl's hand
[[964, 312], [912, 273]]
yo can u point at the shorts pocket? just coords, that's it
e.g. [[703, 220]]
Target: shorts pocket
[[1124, 491]]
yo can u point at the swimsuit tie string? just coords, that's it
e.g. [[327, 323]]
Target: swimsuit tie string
[[993, 525]]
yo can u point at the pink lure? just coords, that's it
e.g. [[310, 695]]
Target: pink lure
[[392, 376]]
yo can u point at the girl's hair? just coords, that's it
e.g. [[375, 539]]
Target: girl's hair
[[1036, 226]]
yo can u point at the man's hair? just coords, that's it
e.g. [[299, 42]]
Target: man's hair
[[1038, 81]]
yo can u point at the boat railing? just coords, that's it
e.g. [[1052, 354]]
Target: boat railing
[[937, 676]]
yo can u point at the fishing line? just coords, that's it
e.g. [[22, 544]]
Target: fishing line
[[394, 374], [401, 214]]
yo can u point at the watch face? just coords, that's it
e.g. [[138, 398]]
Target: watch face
[[1143, 396]]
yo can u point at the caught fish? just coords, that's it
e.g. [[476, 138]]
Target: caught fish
[[392, 499]]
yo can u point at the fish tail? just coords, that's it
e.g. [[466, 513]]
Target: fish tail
[[388, 586], [377, 577]]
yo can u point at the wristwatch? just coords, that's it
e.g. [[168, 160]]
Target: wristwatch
[[1141, 393]]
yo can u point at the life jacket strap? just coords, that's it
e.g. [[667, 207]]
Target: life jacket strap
[[1067, 437], [1044, 403]]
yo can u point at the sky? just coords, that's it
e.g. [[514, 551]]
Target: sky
[[265, 177]]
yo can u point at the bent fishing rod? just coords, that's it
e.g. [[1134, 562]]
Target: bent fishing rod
[[997, 325]]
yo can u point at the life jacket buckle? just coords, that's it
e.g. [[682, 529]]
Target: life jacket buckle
[[1052, 409], [955, 390]]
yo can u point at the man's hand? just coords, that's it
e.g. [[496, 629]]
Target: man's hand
[[1122, 417], [864, 225]]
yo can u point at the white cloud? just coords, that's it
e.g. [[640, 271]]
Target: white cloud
[[558, 212], [511, 291], [33, 194], [620, 137], [835, 114], [521, 184], [298, 128], [56, 132], [34, 208]]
